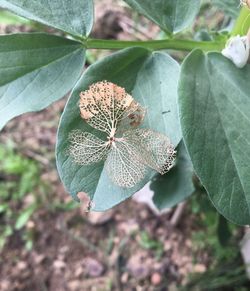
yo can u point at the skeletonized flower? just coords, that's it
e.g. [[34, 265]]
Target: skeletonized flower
[[128, 151], [237, 50]]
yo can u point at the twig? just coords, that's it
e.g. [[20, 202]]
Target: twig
[[177, 214], [37, 157], [86, 243]]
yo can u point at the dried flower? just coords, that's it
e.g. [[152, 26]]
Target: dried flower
[[128, 150]]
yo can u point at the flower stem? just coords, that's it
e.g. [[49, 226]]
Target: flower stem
[[241, 27], [176, 44]]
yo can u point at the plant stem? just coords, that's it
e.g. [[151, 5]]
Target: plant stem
[[176, 44], [242, 23], [241, 27]]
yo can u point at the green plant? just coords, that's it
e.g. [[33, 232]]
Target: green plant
[[19, 176], [215, 234], [151, 244], [229, 276], [212, 94]]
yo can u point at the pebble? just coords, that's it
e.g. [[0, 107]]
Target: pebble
[[139, 266], [74, 285], [21, 265], [199, 268], [129, 227], [100, 218], [124, 278], [93, 267], [5, 285], [59, 264], [156, 279]]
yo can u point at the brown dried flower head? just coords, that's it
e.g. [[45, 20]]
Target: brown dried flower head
[[128, 151]]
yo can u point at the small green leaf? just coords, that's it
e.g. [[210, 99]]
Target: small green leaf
[[214, 105], [24, 216], [36, 70], [171, 16], [152, 80], [175, 186], [5, 233], [3, 207], [72, 17]]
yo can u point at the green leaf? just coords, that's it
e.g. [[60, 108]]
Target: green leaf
[[24, 216], [152, 79], [214, 105], [36, 70], [75, 17], [8, 18], [229, 7], [223, 231], [171, 16], [3, 207], [175, 186]]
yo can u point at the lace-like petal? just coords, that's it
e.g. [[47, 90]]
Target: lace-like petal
[[86, 149], [132, 119], [123, 166], [129, 151], [104, 105], [154, 149]]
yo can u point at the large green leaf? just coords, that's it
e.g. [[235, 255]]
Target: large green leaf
[[177, 185], [36, 70], [171, 16], [152, 79], [74, 17], [214, 110]]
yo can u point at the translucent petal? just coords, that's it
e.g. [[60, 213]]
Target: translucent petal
[[153, 148], [123, 165], [104, 105], [86, 149]]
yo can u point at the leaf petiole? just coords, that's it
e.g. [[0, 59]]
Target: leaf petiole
[[176, 44]]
